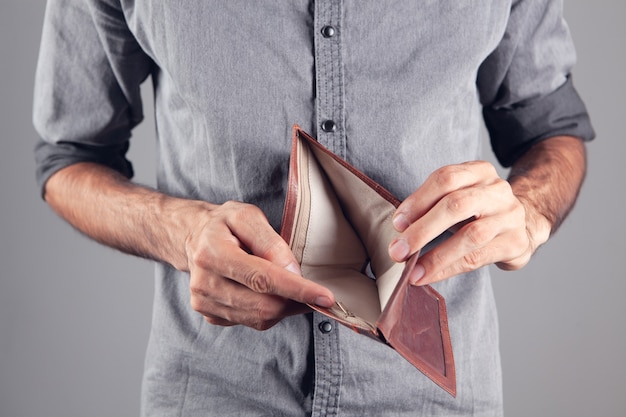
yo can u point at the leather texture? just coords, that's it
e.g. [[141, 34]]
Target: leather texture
[[337, 222]]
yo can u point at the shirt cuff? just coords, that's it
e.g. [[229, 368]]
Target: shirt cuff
[[514, 130], [52, 157]]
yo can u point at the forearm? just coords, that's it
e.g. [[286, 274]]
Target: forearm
[[241, 271], [547, 180], [107, 207]]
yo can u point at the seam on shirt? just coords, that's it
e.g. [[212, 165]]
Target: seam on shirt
[[183, 403]]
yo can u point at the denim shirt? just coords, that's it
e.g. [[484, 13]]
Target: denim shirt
[[398, 89]]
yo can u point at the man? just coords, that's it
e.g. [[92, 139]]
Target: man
[[397, 90]]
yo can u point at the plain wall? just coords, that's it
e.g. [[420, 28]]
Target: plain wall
[[74, 316]]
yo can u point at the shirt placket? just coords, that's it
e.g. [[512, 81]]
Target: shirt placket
[[330, 100], [330, 118]]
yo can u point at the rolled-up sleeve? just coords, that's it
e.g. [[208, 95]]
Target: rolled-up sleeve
[[526, 86], [87, 87]]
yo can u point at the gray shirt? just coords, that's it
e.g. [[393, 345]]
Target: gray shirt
[[401, 88]]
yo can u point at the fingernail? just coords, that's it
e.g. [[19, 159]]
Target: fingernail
[[416, 274], [399, 250], [294, 267], [400, 222], [323, 301]]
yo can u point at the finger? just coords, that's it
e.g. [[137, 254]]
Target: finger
[[477, 244], [225, 302], [227, 259], [452, 209], [252, 228], [464, 251], [440, 183], [265, 277], [217, 321], [267, 314], [451, 213], [272, 267], [244, 226]]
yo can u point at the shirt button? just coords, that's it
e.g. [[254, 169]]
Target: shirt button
[[329, 126], [326, 327], [328, 31]]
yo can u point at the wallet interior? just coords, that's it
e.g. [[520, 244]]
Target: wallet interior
[[336, 252], [338, 223]]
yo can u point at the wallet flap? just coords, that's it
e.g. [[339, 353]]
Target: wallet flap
[[415, 323]]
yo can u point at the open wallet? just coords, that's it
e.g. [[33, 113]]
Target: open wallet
[[338, 223]]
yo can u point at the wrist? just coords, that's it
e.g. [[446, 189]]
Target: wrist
[[538, 226], [177, 219], [546, 180], [538, 223]]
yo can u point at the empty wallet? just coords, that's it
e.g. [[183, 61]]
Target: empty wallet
[[338, 223]]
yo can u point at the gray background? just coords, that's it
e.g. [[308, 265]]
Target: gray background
[[74, 316]]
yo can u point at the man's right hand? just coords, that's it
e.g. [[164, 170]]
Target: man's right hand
[[241, 270]]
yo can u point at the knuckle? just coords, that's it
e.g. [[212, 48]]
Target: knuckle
[[486, 167], [231, 205], [258, 281], [242, 211], [514, 264], [263, 325], [200, 257], [502, 187], [456, 203], [478, 234], [201, 293], [217, 321], [197, 291], [213, 320], [433, 259], [474, 259], [196, 301], [265, 316], [483, 169], [200, 252], [445, 177]]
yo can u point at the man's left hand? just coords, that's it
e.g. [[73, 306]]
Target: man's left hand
[[490, 224]]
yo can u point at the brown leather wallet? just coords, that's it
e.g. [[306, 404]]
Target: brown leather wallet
[[337, 222]]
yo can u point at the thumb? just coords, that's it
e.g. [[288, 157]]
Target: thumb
[[257, 235]]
